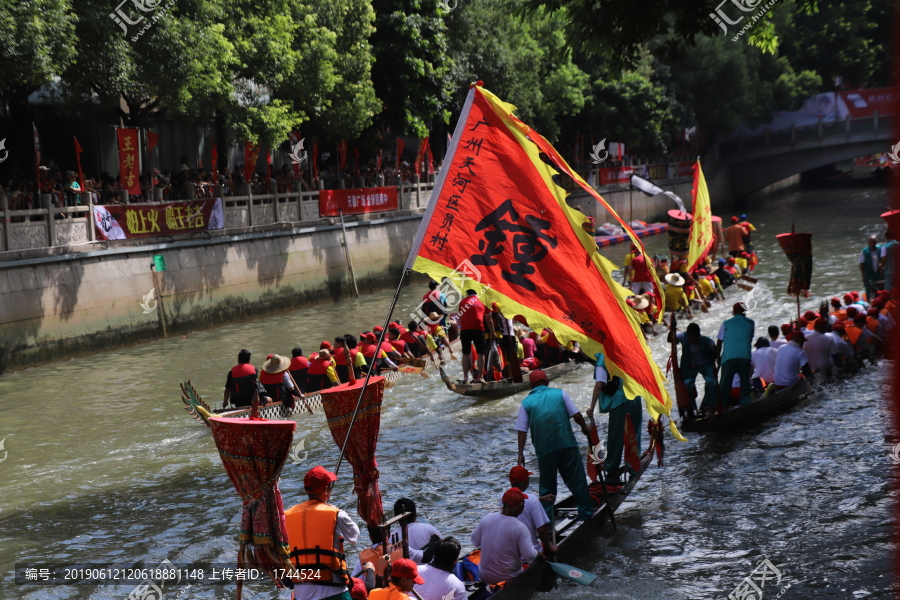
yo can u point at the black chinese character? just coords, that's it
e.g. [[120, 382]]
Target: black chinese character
[[461, 182], [448, 221], [526, 243], [474, 127], [438, 240], [474, 144], [453, 202], [467, 164]]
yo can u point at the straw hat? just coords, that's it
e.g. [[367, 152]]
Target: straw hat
[[434, 316], [640, 303], [674, 279], [276, 364]]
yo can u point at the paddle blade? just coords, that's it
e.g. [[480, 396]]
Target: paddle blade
[[750, 279], [572, 574], [744, 286]]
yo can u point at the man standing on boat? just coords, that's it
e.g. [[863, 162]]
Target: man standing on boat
[[316, 535], [698, 357], [733, 349], [504, 540], [546, 412], [870, 267], [610, 393], [471, 333], [242, 382]]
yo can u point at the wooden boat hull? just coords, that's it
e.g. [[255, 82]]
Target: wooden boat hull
[[501, 389], [571, 538], [747, 413]]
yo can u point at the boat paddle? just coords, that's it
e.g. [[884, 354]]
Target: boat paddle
[[568, 571]]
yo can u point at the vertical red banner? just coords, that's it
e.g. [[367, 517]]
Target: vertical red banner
[[251, 154], [420, 155], [356, 160], [400, 145], [78, 151], [129, 163], [315, 160], [342, 155], [214, 159]]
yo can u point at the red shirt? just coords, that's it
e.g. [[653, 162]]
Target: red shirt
[[341, 358], [298, 363], [368, 349], [386, 347], [409, 338], [471, 312], [641, 272], [318, 366]]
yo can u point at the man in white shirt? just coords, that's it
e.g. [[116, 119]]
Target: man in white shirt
[[440, 582], [420, 535], [763, 361], [534, 516], [820, 349], [775, 341], [504, 541], [791, 360]]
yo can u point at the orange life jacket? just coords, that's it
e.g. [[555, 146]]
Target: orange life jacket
[[311, 530], [872, 323], [853, 333], [840, 314]]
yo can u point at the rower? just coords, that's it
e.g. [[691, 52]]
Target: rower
[[790, 362], [734, 235], [435, 302], [440, 582], [627, 268], [317, 373], [404, 576], [698, 357], [316, 535], [642, 280], [890, 260], [749, 229], [398, 344], [533, 516], [675, 296], [472, 327], [545, 412], [821, 351], [611, 395], [242, 382], [415, 342], [775, 341], [763, 362], [342, 361], [725, 276], [504, 540], [438, 336], [550, 346], [421, 537], [276, 379], [733, 351], [298, 368]]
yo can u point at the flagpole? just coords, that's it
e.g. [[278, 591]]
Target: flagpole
[[362, 392]]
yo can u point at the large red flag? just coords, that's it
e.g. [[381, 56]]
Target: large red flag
[[497, 223], [78, 151]]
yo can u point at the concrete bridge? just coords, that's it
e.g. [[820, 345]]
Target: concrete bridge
[[755, 162]]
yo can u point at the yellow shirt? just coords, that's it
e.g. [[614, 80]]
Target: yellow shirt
[[742, 263], [675, 298], [705, 286], [520, 351]]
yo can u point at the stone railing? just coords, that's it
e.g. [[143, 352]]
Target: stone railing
[[35, 228]]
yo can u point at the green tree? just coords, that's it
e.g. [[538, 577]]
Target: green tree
[[411, 67], [520, 60]]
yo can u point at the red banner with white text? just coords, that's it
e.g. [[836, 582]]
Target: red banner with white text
[[129, 163], [357, 201], [120, 222]]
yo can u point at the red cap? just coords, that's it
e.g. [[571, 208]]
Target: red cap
[[835, 301], [838, 326], [326, 345], [734, 219], [855, 295], [740, 307], [859, 319], [730, 260], [744, 255], [394, 324], [317, 479], [701, 271], [537, 376], [809, 315], [378, 329], [786, 328], [803, 322], [514, 497], [848, 297], [403, 567], [873, 312], [851, 311], [371, 337], [821, 322], [519, 474]]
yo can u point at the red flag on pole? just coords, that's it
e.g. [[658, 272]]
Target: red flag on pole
[[268, 165], [400, 145], [420, 155], [498, 224], [214, 159], [342, 155], [78, 151], [251, 155]]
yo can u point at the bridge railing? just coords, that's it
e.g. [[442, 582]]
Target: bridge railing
[[52, 225], [808, 133]]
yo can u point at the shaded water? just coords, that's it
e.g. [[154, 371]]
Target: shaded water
[[104, 466]]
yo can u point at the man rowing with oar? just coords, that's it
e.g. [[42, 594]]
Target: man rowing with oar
[[546, 412]]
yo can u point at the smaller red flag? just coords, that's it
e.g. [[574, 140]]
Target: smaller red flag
[[632, 453], [214, 159], [268, 165], [342, 155], [78, 151], [400, 145], [429, 158]]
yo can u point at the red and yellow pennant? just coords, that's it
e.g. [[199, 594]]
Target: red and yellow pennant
[[498, 224], [701, 237]]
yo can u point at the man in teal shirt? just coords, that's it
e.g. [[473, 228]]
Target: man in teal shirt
[[611, 394], [733, 349], [546, 413]]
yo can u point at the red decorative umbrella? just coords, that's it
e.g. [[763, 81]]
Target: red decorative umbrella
[[339, 403], [798, 248], [253, 452]]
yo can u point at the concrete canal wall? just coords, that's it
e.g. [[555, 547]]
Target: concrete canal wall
[[57, 306], [62, 301]]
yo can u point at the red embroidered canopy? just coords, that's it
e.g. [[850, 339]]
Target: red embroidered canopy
[[339, 403], [253, 452]]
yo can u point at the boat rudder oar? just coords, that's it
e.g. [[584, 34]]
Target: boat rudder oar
[[571, 573]]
